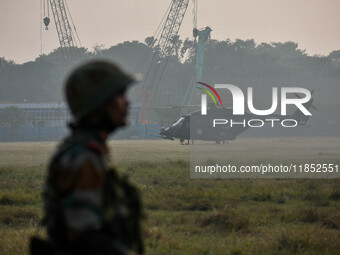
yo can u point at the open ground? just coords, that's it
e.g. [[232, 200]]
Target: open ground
[[184, 216]]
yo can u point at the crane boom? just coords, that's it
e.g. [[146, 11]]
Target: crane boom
[[203, 36], [172, 26], [166, 42], [64, 31]]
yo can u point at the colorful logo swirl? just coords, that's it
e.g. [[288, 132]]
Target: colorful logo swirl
[[209, 93]]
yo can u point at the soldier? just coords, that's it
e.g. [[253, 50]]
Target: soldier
[[90, 208]]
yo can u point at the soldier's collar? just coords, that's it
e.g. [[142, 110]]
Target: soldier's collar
[[92, 139], [101, 148]]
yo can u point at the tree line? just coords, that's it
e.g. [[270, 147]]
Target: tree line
[[240, 62]]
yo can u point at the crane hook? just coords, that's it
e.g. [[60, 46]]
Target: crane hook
[[46, 22]]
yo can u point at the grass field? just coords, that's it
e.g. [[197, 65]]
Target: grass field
[[184, 216]]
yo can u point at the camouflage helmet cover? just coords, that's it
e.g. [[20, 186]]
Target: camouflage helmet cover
[[92, 84]]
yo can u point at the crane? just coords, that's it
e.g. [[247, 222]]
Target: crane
[[66, 36], [203, 36], [166, 42]]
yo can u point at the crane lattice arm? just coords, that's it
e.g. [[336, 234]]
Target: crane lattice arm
[[64, 30], [166, 42], [172, 26]]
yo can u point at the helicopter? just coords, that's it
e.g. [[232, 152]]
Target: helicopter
[[224, 130]]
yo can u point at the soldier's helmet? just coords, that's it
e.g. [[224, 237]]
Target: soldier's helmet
[[93, 84]]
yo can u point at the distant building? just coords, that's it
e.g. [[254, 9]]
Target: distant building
[[47, 122], [43, 114], [55, 114]]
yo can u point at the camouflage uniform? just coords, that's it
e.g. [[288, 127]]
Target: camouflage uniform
[[90, 208]]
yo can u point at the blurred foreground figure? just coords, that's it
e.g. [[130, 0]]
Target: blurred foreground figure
[[90, 208]]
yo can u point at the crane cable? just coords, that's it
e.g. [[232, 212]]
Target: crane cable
[[159, 56], [189, 91], [46, 19], [155, 37], [48, 10], [41, 46], [74, 27], [164, 65], [44, 7], [194, 12]]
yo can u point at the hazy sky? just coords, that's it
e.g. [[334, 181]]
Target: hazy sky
[[314, 24]]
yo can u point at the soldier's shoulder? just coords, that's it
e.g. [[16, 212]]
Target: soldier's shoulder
[[70, 149], [74, 153]]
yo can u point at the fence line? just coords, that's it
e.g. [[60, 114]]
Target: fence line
[[23, 134]]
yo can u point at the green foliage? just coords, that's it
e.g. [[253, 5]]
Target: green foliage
[[242, 62], [227, 219], [4, 62], [195, 216], [309, 215], [335, 55]]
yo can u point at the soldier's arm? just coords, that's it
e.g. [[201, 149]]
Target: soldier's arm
[[83, 179]]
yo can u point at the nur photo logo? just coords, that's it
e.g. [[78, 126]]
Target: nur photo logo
[[302, 102]]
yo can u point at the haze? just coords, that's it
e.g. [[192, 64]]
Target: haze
[[313, 24]]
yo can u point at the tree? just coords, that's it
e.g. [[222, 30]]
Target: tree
[[335, 55], [188, 51], [177, 43], [150, 41], [98, 50], [4, 62]]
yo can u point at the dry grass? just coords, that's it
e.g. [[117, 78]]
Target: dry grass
[[184, 216], [240, 150], [249, 150]]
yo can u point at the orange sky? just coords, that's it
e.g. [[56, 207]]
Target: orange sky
[[314, 24]]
